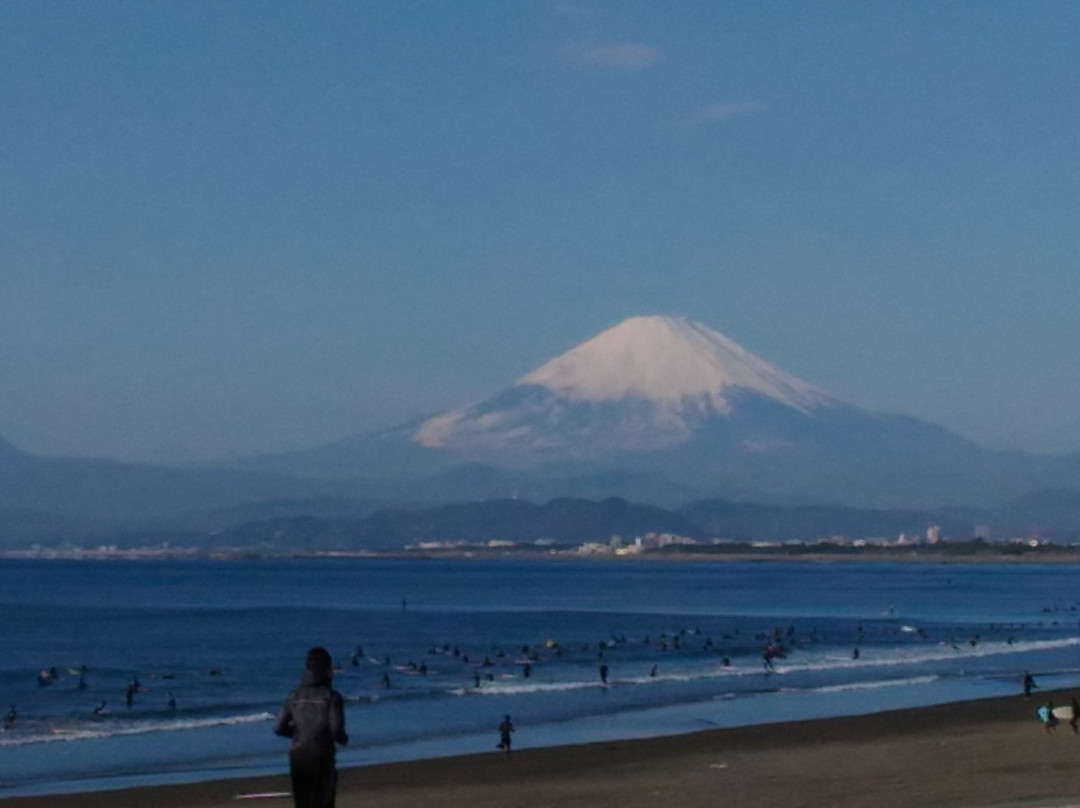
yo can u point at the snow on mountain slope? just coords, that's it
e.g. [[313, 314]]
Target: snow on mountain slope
[[665, 409], [643, 384], [668, 360]]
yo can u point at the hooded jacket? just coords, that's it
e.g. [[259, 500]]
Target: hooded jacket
[[313, 716]]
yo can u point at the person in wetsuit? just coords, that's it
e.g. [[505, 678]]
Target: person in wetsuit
[[313, 716], [505, 728]]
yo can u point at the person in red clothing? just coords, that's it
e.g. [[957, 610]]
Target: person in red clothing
[[313, 716]]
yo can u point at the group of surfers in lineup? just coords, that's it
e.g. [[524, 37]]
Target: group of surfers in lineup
[[776, 644], [530, 655], [49, 676]]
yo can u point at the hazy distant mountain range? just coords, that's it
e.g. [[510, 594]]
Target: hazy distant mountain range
[[666, 410], [569, 521], [656, 410]]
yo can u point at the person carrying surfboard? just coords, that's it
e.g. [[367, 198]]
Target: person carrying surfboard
[[313, 717], [1046, 715]]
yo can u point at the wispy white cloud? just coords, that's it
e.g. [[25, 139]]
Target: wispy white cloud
[[614, 57], [720, 111], [569, 10]]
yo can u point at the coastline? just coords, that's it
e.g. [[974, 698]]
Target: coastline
[[989, 752], [484, 554]]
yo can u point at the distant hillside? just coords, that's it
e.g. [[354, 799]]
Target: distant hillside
[[51, 498], [1052, 515], [562, 520], [748, 521], [665, 410]]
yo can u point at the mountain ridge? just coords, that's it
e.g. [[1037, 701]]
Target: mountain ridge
[[671, 398], [661, 410], [668, 374]]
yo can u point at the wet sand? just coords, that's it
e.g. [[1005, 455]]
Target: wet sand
[[984, 753]]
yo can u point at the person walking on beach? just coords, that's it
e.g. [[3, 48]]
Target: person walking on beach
[[1046, 715], [313, 717], [505, 728], [1029, 683]]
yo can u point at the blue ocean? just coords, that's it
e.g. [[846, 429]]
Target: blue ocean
[[431, 654]]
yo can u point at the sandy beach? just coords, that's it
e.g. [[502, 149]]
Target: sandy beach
[[983, 753]]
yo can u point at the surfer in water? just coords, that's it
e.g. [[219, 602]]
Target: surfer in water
[[313, 717], [505, 728], [1029, 683], [10, 718]]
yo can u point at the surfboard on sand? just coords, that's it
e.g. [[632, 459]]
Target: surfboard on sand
[[265, 795]]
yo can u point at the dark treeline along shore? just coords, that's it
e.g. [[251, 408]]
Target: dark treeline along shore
[[718, 526], [572, 521]]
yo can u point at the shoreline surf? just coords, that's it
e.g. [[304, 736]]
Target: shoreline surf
[[985, 752], [684, 644]]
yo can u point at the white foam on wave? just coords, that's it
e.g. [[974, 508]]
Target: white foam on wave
[[871, 658], [84, 733], [873, 685], [513, 689], [919, 654]]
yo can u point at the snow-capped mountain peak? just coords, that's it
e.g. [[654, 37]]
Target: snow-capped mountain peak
[[647, 382], [668, 360]]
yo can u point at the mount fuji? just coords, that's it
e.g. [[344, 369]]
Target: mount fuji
[[657, 410], [666, 409], [649, 383]]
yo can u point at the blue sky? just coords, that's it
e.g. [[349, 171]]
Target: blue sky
[[239, 227]]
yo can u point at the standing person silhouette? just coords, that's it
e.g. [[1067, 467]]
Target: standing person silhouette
[[313, 716], [505, 728]]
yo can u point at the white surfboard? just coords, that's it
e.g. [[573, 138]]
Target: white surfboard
[[264, 795]]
